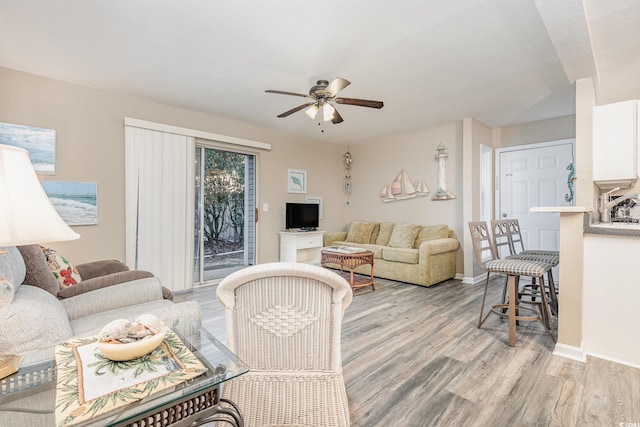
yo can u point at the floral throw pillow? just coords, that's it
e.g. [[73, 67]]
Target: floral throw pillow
[[65, 273]]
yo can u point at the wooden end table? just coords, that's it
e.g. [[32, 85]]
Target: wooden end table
[[350, 261]]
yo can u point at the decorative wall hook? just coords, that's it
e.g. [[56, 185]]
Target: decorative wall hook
[[347, 178]]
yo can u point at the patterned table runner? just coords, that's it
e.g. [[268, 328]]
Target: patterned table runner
[[89, 384]]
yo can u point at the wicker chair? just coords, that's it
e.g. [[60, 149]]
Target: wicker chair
[[284, 320]]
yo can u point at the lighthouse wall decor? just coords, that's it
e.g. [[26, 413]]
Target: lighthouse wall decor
[[442, 193]]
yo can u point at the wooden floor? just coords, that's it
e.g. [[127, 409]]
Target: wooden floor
[[413, 356]]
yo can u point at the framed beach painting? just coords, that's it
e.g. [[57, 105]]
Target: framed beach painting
[[76, 202], [39, 142], [296, 181]]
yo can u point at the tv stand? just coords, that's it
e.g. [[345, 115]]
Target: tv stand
[[304, 247]]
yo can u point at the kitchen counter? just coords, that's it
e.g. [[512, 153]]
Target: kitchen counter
[[590, 221], [591, 226]]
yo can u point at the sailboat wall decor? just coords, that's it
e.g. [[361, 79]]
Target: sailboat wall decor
[[402, 188]]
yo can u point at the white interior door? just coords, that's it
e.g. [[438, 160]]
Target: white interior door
[[535, 175]]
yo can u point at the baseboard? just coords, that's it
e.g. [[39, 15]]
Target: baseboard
[[570, 352], [471, 280], [614, 360]]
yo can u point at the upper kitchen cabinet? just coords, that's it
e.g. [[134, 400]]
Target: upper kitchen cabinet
[[615, 144]]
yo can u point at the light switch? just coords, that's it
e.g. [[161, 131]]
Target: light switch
[[265, 207]]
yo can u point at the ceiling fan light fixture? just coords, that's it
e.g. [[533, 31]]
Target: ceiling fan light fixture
[[312, 111], [327, 111]]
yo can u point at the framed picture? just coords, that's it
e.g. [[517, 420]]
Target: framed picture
[[317, 200], [76, 202], [39, 142], [296, 181]]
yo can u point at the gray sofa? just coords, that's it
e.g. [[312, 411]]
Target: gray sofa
[[33, 318], [421, 255]]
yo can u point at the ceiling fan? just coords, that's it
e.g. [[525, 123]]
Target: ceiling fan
[[322, 93]]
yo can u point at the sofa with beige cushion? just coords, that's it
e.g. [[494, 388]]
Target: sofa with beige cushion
[[422, 255]]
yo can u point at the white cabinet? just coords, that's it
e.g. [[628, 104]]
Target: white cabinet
[[304, 246], [615, 144]]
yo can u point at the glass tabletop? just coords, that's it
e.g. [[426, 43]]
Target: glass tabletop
[[32, 390]]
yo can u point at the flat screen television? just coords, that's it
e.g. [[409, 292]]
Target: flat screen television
[[303, 216]]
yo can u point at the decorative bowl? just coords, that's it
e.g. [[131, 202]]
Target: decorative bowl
[[130, 351]]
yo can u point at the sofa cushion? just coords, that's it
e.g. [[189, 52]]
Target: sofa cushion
[[38, 272], [386, 228], [12, 270], [65, 273], [165, 309], [35, 319], [360, 231], [431, 232], [407, 256], [403, 235], [374, 233]]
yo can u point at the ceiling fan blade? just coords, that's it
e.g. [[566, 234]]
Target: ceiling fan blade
[[295, 110], [360, 102], [336, 86], [337, 118], [281, 92]]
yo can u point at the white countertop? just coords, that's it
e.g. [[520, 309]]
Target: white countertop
[[561, 209]]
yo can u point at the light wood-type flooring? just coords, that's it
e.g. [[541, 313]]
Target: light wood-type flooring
[[413, 356]]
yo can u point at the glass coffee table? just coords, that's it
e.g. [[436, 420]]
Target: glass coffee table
[[28, 397]]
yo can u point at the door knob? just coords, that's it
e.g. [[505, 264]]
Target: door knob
[[504, 215]]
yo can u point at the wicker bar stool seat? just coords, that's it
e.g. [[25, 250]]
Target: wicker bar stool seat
[[487, 259]]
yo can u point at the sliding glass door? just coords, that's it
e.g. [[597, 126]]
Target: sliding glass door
[[224, 213]]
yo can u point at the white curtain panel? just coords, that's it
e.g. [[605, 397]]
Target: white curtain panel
[[159, 204]]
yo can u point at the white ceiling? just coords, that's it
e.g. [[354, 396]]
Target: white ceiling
[[431, 61]]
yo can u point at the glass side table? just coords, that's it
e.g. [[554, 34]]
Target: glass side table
[[27, 397]]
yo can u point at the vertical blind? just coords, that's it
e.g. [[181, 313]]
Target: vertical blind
[[159, 204]]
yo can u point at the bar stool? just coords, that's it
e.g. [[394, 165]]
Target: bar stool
[[551, 257], [486, 257], [501, 232]]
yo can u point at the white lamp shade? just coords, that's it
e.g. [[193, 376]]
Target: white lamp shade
[[311, 111], [26, 214], [327, 112]]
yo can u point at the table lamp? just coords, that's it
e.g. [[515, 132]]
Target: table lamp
[[26, 213]]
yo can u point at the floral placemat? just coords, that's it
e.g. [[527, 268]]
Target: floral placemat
[[89, 384]]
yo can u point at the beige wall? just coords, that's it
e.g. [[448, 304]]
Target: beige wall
[[90, 147], [376, 163], [475, 133], [539, 131]]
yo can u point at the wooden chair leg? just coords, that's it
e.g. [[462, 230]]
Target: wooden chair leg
[[513, 298], [553, 294], [484, 298], [545, 312]]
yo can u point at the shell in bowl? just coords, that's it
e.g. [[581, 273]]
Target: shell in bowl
[[122, 352]]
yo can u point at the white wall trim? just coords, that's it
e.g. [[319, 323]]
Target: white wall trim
[[473, 280], [128, 121], [570, 352], [614, 360]]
